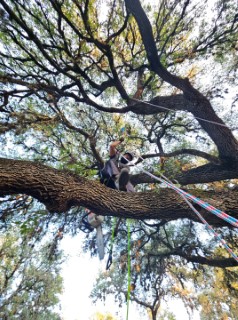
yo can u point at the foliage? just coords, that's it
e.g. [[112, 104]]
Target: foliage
[[73, 74], [160, 273], [220, 295], [29, 281]]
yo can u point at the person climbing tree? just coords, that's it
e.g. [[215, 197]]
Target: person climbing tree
[[115, 173]]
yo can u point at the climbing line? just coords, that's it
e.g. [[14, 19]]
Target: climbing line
[[128, 267], [207, 225], [167, 109], [220, 214], [185, 196]]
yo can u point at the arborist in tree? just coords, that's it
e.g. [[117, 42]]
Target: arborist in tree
[[115, 173]]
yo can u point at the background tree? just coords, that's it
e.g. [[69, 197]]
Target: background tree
[[219, 295], [159, 274], [30, 283], [73, 73]]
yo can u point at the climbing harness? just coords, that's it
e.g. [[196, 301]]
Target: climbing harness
[[106, 173]]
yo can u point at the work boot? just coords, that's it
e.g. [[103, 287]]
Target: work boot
[[123, 179]]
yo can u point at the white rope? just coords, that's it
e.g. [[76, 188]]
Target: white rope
[[167, 109], [207, 225]]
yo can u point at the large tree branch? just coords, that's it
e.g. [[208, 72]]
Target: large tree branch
[[60, 190], [214, 262], [210, 172], [201, 108], [184, 151], [134, 7]]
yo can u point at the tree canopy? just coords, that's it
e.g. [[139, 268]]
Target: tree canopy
[[76, 75], [29, 281]]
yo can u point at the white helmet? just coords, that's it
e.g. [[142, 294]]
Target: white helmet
[[131, 154]]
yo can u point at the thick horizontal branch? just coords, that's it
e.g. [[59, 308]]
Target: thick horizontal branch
[[204, 174], [209, 173], [60, 190], [161, 104], [202, 110], [184, 151], [213, 262]]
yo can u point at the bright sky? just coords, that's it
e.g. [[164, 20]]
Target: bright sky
[[79, 273]]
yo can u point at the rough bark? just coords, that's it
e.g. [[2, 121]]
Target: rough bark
[[209, 173], [60, 190], [203, 174]]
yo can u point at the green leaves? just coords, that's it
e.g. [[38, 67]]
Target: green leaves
[[29, 283], [73, 74]]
